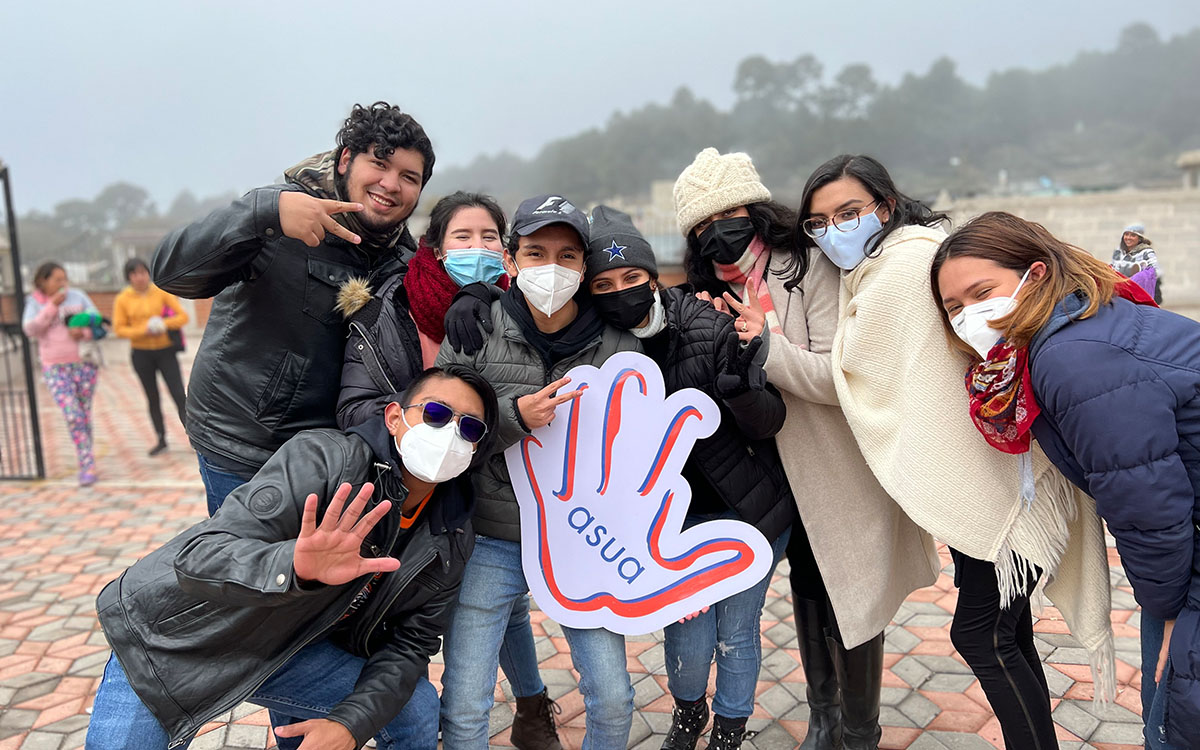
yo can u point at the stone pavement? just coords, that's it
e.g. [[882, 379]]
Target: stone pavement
[[60, 544]]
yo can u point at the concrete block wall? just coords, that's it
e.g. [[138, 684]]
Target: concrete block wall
[[1094, 221]]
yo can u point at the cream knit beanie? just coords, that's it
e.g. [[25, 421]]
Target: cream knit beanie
[[714, 182]]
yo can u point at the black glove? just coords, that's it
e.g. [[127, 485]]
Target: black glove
[[470, 311], [740, 375]]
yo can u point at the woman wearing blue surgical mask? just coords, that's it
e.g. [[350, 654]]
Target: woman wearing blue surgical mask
[[854, 555], [396, 324], [1007, 519]]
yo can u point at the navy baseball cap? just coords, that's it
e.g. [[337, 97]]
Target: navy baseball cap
[[544, 210]]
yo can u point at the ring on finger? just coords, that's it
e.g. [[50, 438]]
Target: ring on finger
[[745, 326]]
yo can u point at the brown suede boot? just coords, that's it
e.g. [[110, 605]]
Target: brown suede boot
[[533, 725]]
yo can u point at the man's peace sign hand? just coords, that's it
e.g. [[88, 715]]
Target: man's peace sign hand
[[331, 552], [537, 409], [307, 218]]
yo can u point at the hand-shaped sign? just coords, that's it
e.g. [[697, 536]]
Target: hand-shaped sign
[[603, 504]]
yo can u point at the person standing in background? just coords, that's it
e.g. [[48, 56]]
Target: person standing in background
[[71, 379], [138, 315], [1135, 259]]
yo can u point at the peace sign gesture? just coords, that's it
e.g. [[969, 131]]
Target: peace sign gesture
[[330, 552], [307, 218], [537, 409], [750, 316]]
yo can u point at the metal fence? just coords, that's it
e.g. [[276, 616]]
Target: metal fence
[[20, 433]]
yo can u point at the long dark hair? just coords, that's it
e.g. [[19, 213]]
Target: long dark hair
[[774, 224], [445, 209], [874, 177]]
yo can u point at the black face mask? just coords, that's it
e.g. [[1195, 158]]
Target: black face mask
[[725, 240], [627, 308]]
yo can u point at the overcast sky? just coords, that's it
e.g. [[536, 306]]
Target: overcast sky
[[224, 94]]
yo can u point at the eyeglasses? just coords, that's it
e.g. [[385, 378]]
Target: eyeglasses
[[437, 414], [843, 221]]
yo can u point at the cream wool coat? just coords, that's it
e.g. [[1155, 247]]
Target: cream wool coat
[[870, 554]]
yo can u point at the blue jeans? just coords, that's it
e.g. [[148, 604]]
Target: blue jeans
[[730, 631], [1152, 638], [490, 629], [218, 483], [1154, 697], [308, 686]]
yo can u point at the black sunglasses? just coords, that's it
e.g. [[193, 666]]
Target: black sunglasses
[[437, 414]]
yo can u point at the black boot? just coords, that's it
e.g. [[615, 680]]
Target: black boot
[[687, 724], [824, 711], [533, 725], [162, 446], [860, 674], [726, 734]]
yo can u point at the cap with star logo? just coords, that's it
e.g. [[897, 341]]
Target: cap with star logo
[[616, 243]]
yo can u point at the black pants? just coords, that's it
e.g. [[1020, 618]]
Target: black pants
[[998, 646], [147, 362]]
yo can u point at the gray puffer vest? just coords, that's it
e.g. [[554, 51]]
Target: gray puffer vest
[[515, 369]]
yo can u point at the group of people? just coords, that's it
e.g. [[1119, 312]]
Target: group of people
[[881, 385], [66, 323]]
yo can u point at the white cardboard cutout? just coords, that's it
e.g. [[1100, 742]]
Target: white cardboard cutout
[[603, 503]]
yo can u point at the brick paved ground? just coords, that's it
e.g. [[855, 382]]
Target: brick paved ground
[[60, 544]]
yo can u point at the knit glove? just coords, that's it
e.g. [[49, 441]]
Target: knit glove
[[470, 311], [156, 325], [740, 374]]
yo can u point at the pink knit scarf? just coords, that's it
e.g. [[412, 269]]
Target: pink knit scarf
[[750, 272]]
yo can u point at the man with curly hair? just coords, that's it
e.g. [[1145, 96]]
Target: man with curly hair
[[269, 365]]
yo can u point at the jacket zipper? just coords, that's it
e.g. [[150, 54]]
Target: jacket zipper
[[400, 585], [375, 355]]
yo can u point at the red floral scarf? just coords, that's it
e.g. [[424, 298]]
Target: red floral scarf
[[1001, 392]]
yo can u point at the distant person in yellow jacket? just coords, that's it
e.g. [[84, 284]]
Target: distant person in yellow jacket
[[144, 314]]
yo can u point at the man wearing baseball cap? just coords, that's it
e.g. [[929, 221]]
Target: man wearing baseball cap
[[540, 328]]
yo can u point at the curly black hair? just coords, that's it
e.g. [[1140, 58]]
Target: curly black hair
[[385, 127], [773, 223]]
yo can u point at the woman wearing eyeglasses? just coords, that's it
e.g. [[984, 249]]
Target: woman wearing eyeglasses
[[900, 384], [854, 555]]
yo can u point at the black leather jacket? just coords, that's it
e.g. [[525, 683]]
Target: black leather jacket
[[172, 617], [270, 362]]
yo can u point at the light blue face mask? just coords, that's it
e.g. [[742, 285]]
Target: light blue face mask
[[848, 249], [474, 264]]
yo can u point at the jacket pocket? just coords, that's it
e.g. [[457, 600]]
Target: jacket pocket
[[1183, 687], [321, 287], [275, 401], [190, 617]]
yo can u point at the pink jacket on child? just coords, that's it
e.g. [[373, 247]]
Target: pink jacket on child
[[46, 322]]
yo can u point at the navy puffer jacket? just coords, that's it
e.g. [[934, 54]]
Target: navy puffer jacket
[[1120, 400]]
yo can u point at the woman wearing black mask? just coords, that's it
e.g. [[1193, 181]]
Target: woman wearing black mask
[[854, 555], [735, 473]]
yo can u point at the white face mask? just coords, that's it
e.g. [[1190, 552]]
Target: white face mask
[[434, 454], [971, 323], [548, 287]]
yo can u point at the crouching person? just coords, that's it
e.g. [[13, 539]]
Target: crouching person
[[325, 613]]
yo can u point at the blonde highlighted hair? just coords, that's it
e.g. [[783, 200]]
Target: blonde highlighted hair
[[1014, 243]]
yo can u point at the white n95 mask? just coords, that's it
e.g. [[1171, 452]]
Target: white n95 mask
[[548, 288], [971, 323]]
